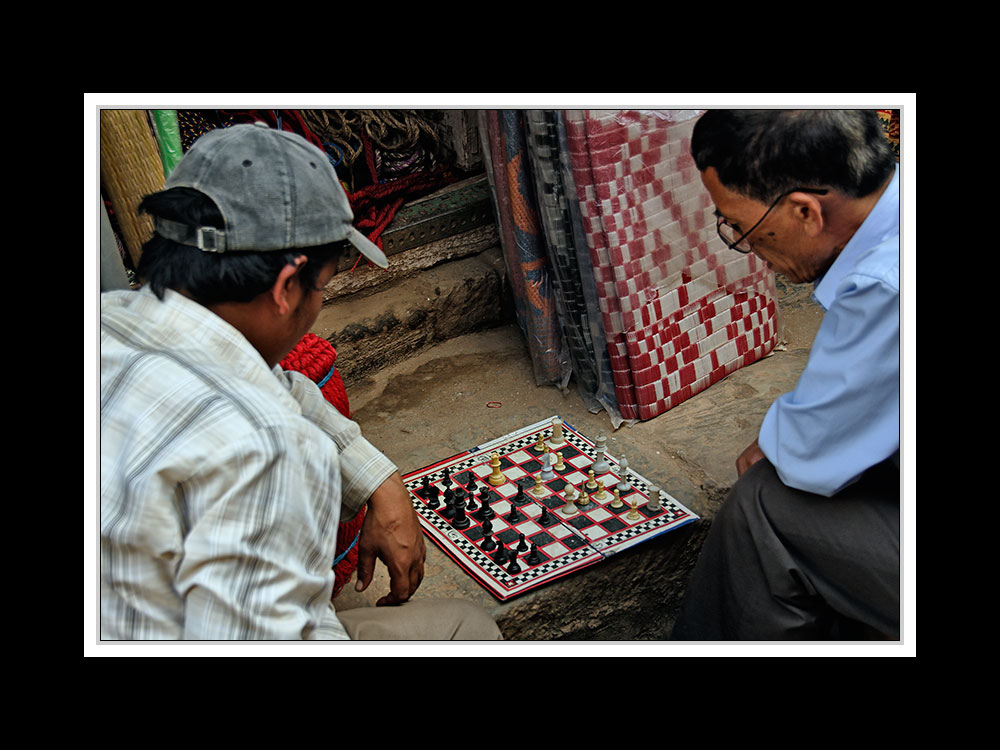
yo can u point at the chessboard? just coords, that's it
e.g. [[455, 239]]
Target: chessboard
[[525, 509]]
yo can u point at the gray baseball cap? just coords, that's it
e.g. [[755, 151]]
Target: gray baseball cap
[[275, 190]]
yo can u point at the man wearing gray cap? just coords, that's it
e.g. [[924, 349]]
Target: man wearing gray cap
[[223, 477]]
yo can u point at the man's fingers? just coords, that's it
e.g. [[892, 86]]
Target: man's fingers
[[366, 569]]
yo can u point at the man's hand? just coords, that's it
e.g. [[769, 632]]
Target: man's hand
[[391, 533], [748, 458]]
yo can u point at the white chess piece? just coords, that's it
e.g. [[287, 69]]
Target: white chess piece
[[601, 465], [623, 485], [570, 507], [547, 472], [654, 498], [556, 438]]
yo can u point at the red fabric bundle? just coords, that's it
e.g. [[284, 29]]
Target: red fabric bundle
[[314, 357]]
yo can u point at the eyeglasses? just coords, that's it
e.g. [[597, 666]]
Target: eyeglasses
[[727, 231]]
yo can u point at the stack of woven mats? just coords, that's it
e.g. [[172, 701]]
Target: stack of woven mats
[[680, 311]]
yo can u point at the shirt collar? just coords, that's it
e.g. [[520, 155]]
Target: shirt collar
[[182, 325], [882, 222]]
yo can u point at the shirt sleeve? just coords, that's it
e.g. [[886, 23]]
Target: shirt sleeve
[[843, 416], [363, 468]]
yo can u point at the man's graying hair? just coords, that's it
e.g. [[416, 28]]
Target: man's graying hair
[[762, 153]]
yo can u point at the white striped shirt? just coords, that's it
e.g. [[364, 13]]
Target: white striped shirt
[[221, 481]]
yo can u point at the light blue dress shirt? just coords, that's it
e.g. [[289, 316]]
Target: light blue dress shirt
[[843, 416]]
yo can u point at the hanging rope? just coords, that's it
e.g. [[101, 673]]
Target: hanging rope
[[358, 132], [388, 157]]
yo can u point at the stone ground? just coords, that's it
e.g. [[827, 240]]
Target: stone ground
[[433, 404]]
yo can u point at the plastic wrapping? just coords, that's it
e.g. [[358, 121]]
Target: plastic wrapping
[[168, 138], [680, 311], [618, 274]]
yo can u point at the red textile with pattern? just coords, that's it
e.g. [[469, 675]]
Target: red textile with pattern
[[314, 357]]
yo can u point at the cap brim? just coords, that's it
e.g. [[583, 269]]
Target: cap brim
[[367, 248]]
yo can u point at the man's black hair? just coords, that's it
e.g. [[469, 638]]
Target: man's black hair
[[212, 278], [762, 153]]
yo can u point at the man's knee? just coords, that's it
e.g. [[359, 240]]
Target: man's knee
[[471, 622], [748, 500], [421, 620]]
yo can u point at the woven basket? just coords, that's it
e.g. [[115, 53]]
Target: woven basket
[[131, 168]]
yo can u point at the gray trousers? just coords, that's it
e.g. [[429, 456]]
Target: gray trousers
[[421, 620], [782, 564]]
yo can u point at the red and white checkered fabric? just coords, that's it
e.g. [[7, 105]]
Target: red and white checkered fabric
[[680, 310]]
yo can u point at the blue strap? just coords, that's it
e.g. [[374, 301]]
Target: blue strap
[[343, 554], [328, 376]]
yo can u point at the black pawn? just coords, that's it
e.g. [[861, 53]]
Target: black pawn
[[470, 504], [488, 544], [447, 478], [513, 567], [519, 498], [500, 556], [515, 515], [546, 518], [486, 513], [522, 546], [535, 556]]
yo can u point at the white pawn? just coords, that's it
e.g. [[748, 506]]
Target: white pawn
[[601, 465], [570, 507], [539, 488], [623, 485], [654, 498]]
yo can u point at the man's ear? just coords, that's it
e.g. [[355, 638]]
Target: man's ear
[[808, 211], [281, 291]]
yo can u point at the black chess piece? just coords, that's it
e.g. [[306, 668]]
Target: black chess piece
[[534, 557], [519, 498], [431, 493], [449, 503], [488, 544], [500, 556], [522, 546], [546, 518], [513, 567], [470, 503], [485, 512], [461, 520], [446, 481], [514, 516]]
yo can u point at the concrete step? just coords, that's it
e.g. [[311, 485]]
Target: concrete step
[[430, 294]]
